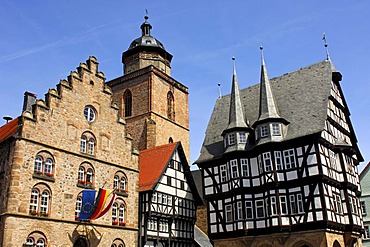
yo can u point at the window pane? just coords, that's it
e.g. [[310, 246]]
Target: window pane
[[38, 164], [83, 144], [48, 166], [44, 202], [34, 201], [90, 146]]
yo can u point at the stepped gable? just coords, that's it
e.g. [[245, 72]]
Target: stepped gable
[[302, 96]]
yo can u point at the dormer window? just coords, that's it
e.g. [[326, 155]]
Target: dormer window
[[276, 130], [264, 131], [242, 137], [231, 138]]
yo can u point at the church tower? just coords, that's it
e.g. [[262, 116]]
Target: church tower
[[153, 104]]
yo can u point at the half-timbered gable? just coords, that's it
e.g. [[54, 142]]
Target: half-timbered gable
[[168, 197], [299, 172]]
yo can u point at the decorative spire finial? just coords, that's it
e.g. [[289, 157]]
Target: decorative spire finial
[[262, 57], [234, 66], [326, 47], [219, 90]]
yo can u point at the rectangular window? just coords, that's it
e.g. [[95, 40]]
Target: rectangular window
[[169, 200], [223, 173], [248, 210], [283, 205], [355, 209], [245, 167], [273, 205], [229, 213], [234, 168], [366, 234], [276, 131], [300, 203], [159, 198], [182, 185], [264, 131], [260, 164], [293, 205], [260, 209], [363, 207], [289, 159], [333, 160], [164, 199], [169, 180], [351, 205], [231, 138], [267, 161], [239, 210], [242, 137], [154, 199], [278, 160]]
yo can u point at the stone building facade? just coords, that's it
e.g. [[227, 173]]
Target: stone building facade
[[56, 150]]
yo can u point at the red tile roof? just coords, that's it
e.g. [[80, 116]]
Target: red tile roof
[[8, 129], [152, 163]]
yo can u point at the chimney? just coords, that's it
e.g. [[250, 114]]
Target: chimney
[[29, 101]]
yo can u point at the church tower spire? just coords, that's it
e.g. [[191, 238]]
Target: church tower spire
[[270, 126], [237, 132]]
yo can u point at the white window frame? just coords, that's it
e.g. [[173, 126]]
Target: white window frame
[[283, 205], [245, 167], [289, 158], [234, 168], [34, 202], [154, 197], [223, 173], [260, 205], [278, 160], [239, 210], [78, 206], [248, 210], [273, 205], [276, 129], [121, 213], [231, 139], [89, 114], [38, 164], [83, 144], [44, 202], [48, 168], [267, 161], [228, 213], [242, 137], [91, 146], [264, 131]]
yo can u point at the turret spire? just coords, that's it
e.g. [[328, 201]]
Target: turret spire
[[146, 27], [268, 108], [236, 114]]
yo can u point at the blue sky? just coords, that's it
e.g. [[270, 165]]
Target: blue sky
[[42, 41]]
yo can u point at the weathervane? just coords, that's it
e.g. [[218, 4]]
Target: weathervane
[[326, 47]]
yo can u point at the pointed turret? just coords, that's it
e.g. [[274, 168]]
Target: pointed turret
[[269, 120], [237, 132]]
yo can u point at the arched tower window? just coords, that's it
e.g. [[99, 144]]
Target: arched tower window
[[170, 140], [127, 97], [170, 106]]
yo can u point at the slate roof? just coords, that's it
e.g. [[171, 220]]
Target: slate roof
[[201, 238], [302, 97], [152, 164], [8, 129]]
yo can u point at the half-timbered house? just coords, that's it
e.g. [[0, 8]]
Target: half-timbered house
[[167, 197], [280, 162], [365, 203]]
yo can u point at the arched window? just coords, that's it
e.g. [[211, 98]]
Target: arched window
[[44, 203], [91, 146], [44, 165], [170, 140], [37, 239], [38, 164], [40, 205], [170, 106], [119, 213], [83, 144], [80, 242], [81, 174], [118, 243], [120, 182], [78, 207], [40, 243], [127, 98], [87, 143], [86, 175]]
